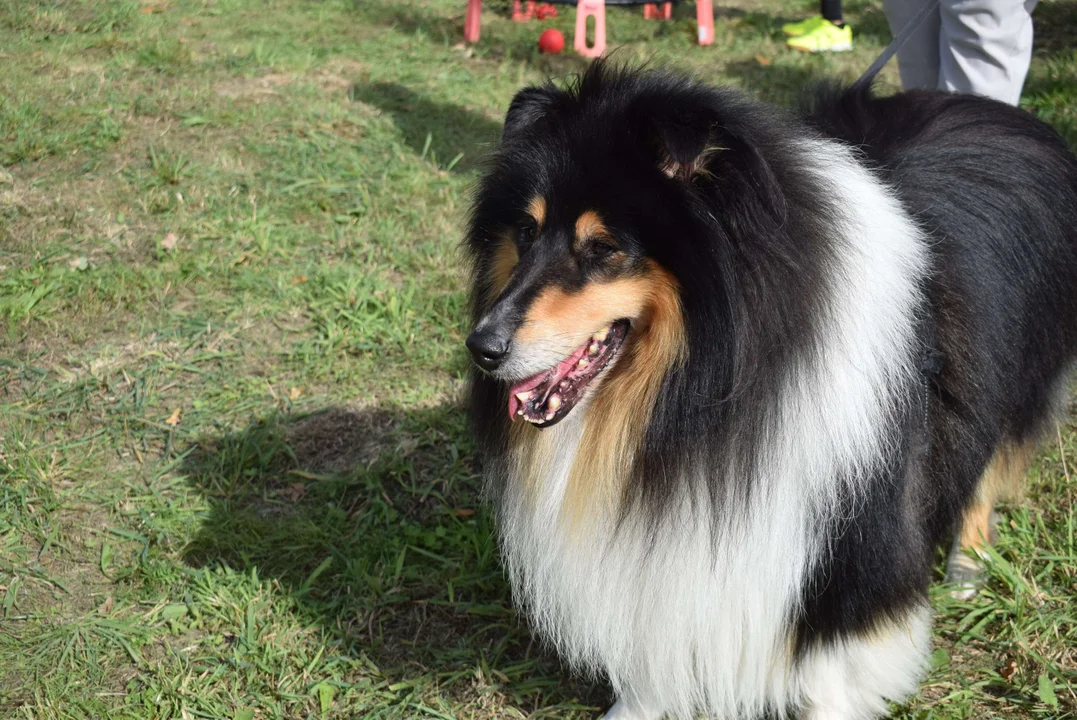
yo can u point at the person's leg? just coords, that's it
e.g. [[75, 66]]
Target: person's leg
[[826, 32], [918, 58], [985, 47], [831, 10]]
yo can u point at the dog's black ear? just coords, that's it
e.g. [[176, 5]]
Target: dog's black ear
[[530, 105], [682, 140], [692, 140], [680, 134]]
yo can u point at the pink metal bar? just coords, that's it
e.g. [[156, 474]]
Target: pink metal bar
[[520, 14], [584, 10], [473, 21], [652, 12], [705, 18]]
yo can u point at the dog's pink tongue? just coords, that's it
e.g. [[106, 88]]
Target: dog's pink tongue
[[523, 386], [547, 378]]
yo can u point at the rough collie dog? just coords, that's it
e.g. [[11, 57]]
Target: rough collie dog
[[741, 371]]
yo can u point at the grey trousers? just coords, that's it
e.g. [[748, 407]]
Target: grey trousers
[[970, 46]]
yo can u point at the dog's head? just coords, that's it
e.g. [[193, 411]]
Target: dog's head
[[585, 227]]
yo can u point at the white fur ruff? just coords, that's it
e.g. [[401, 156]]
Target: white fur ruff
[[698, 617]]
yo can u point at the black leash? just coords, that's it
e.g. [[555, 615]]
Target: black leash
[[896, 43]]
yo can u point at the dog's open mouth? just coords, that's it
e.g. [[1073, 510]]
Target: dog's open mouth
[[547, 397]]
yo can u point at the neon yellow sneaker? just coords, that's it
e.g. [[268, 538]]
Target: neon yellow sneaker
[[804, 26], [828, 37]]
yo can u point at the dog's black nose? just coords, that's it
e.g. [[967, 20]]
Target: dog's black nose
[[488, 348]]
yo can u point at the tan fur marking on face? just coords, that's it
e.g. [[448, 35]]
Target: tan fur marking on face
[[573, 316], [504, 262], [621, 405], [1002, 480], [589, 227], [537, 209], [621, 409]]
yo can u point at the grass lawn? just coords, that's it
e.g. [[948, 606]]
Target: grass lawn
[[235, 475]]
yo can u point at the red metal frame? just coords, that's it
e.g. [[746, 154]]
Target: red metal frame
[[523, 15], [652, 12], [524, 10]]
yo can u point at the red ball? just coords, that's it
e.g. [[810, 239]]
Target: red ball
[[551, 41]]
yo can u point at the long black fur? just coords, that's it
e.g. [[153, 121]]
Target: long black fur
[[996, 190]]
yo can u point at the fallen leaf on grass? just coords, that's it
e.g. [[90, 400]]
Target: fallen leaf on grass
[[325, 693], [294, 393], [174, 418], [79, 263], [463, 512], [106, 558], [1008, 669], [294, 491], [170, 241], [106, 607], [1046, 691], [763, 60]]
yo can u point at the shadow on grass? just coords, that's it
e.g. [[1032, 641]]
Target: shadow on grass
[[371, 519], [1054, 24], [453, 137]]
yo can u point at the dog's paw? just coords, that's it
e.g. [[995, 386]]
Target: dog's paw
[[966, 568], [966, 574]]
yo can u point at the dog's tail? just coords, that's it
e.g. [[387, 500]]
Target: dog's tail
[[840, 110]]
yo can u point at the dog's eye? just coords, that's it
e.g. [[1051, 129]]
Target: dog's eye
[[526, 235], [600, 250]]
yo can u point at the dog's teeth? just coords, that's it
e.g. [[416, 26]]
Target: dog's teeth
[[593, 349], [549, 415], [601, 335], [524, 396], [520, 412], [554, 402], [582, 364]]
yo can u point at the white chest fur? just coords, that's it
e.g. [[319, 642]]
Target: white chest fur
[[696, 612]]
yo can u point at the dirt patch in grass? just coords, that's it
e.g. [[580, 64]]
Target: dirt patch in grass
[[339, 439], [64, 581], [38, 218]]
